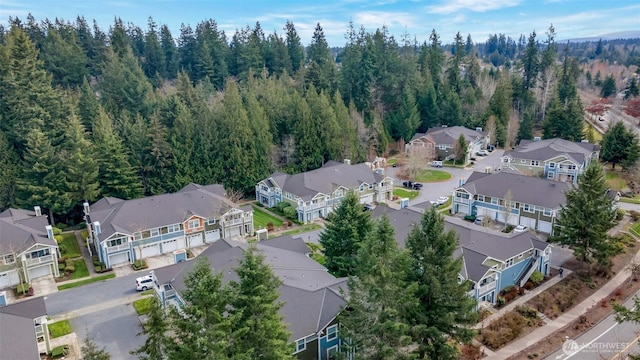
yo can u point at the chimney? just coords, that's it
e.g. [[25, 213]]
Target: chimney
[[49, 232], [38, 210], [347, 161], [585, 141], [479, 129], [536, 138], [85, 206], [443, 125], [96, 227]]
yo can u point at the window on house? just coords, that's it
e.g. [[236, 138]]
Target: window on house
[[211, 221], [494, 201], [509, 262], [552, 165], [361, 188], [535, 163], [481, 198], [301, 345], [520, 256], [523, 161], [528, 208], [339, 193], [115, 242], [9, 259], [551, 175], [514, 205], [137, 236], [547, 212], [332, 332], [570, 178], [264, 188], [194, 223], [155, 232], [173, 228]]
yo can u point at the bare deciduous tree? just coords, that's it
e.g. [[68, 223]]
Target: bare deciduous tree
[[506, 207], [512, 129], [490, 129], [417, 160]]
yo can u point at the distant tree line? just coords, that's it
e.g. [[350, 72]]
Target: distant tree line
[[86, 113]]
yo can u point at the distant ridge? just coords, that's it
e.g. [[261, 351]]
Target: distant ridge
[[632, 34]]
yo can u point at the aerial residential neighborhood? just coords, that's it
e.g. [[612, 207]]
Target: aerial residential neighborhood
[[316, 181]]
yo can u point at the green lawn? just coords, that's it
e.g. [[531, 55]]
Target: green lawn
[[432, 175], [596, 134], [143, 306], [68, 246], [81, 269], [262, 218], [615, 181], [633, 200], [302, 229], [392, 161], [86, 281], [59, 328], [405, 193], [636, 228]]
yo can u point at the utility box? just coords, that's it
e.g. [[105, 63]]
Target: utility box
[[180, 255], [404, 202], [262, 234]]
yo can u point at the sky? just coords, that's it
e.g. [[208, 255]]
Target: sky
[[570, 18]]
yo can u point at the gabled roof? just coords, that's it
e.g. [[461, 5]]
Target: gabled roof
[[21, 229], [543, 150], [17, 333], [288, 242], [326, 179], [476, 243], [449, 135], [311, 295], [524, 189], [126, 217]]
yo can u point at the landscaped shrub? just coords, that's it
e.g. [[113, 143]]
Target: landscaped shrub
[[61, 267], [270, 226], [508, 229], [57, 231], [69, 269], [527, 311], [23, 288], [635, 216], [520, 291], [536, 277], [620, 214], [529, 285], [290, 213], [259, 204], [62, 260], [503, 330], [500, 301], [96, 262], [282, 205], [60, 351], [139, 265]]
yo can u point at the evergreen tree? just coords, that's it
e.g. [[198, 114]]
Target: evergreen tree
[[154, 65], [342, 237], [119, 39], [80, 165], [154, 330], [168, 45], [564, 120], [259, 331], [9, 172], [321, 71], [620, 145], [435, 57], [64, 58], [88, 104], [294, 47], [530, 63], [373, 326], [443, 310], [307, 153], [43, 181], [584, 220], [158, 158], [201, 330], [460, 149], [117, 177], [183, 141], [632, 89], [90, 350], [124, 86], [608, 86]]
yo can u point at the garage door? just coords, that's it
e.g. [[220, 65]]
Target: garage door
[[211, 236], [367, 199], [544, 226], [118, 259], [194, 240], [234, 231], [531, 223], [8, 279], [39, 272], [169, 246], [491, 214], [150, 250], [462, 208]]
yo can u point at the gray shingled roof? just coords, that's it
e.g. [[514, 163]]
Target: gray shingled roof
[[21, 229], [449, 135], [288, 242], [17, 334], [476, 242], [326, 179], [308, 290], [547, 149], [130, 216], [524, 189]]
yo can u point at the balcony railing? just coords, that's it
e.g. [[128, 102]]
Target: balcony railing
[[39, 260], [169, 294], [472, 293], [488, 287], [117, 248]]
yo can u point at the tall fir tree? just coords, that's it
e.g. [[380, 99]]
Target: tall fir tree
[[321, 70], [374, 326], [294, 47], [584, 220], [342, 237], [9, 173], [81, 167], [443, 310], [155, 333], [259, 331], [620, 145]]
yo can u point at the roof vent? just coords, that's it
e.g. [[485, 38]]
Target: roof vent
[[444, 125], [536, 138], [347, 161], [479, 129], [584, 141], [37, 210]]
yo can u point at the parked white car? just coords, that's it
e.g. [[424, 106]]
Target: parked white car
[[144, 283], [520, 229], [443, 200]]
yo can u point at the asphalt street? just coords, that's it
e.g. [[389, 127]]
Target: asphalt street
[[607, 340]]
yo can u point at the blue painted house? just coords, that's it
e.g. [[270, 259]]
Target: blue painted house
[[532, 201], [553, 159], [492, 260], [316, 193], [312, 297], [122, 231]]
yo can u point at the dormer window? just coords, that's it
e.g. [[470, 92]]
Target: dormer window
[[195, 223]]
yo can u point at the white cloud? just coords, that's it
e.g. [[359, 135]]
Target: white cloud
[[451, 6], [376, 19]]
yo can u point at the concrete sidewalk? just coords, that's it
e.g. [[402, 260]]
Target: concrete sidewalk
[[569, 316]]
